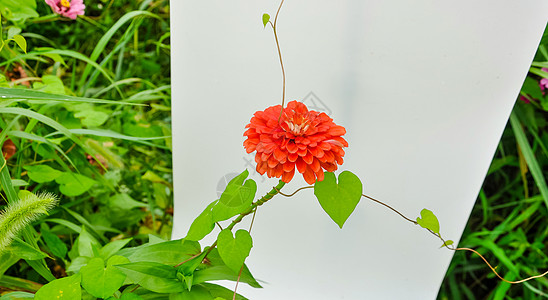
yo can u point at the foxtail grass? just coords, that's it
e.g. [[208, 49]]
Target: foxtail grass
[[19, 214]]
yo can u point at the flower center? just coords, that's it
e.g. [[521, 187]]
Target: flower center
[[65, 3], [298, 128]]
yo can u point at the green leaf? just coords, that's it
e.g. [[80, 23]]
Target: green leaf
[[125, 202], [266, 18], [73, 184], [151, 176], [55, 57], [185, 272], [11, 93], [42, 173], [447, 243], [92, 118], [216, 269], [13, 30], [63, 288], [234, 250], [160, 195], [238, 193], [101, 281], [155, 277], [19, 182], [202, 225], [339, 200], [18, 9], [66, 223], [86, 243], [235, 199], [111, 248], [220, 292], [532, 88], [26, 251], [21, 42], [77, 263], [107, 133], [54, 243], [7, 259], [429, 221], [197, 292], [170, 252], [17, 296], [50, 84]]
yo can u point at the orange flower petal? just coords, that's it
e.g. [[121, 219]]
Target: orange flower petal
[[280, 155], [301, 165], [309, 176], [287, 176]]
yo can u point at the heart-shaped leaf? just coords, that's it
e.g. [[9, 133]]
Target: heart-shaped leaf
[[101, 281], [238, 192], [73, 184], [266, 18], [339, 200], [234, 250], [429, 221], [236, 198], [202, 225]]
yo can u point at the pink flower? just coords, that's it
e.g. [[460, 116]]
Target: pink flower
[[67, 8], [544, 81]]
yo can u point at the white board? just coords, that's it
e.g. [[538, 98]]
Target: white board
[[424, 89]]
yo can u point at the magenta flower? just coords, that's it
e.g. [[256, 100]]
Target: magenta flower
[[544, 81], [67, 8]]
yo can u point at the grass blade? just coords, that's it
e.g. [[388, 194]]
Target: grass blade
[[29, 95], [530, 158]]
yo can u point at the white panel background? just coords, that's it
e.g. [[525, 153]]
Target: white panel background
[[424, 89]]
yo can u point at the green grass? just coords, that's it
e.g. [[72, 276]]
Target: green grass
[[101, 155]]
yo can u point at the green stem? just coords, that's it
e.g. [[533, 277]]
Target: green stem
[[258, 203], [275, 190]]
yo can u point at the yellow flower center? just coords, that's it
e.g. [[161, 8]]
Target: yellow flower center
[[65, 3]]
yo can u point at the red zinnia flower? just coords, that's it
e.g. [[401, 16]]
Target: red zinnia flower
[[308, 140]]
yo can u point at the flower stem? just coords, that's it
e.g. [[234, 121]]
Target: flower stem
[[263, 200], [280, 55], [258, 203]]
